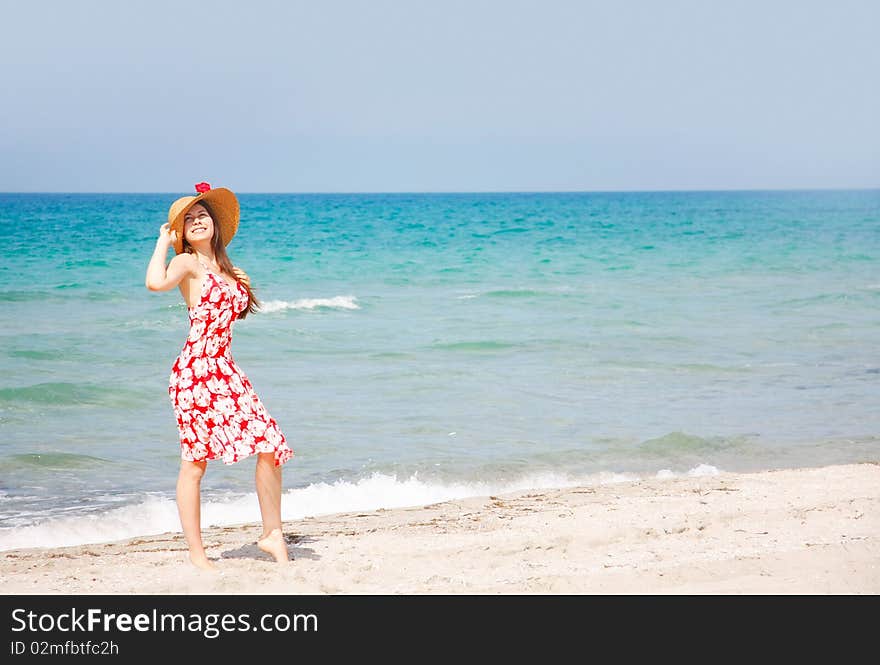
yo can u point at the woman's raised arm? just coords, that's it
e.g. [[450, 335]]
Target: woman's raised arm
[[160, 278]]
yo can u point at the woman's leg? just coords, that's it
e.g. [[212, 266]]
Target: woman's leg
[[188, 505], [268, 480]]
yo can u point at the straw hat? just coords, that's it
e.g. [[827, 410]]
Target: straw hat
[[224, 212]]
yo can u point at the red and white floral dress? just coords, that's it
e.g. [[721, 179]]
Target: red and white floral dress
[[218, 412]]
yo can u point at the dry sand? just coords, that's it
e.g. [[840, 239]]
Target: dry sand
[[799, 531]]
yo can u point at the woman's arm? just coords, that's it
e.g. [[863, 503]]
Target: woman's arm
[[158, 277]]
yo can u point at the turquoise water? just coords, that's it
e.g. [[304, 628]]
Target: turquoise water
[[416, 346]]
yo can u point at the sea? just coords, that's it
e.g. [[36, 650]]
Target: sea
[[416, 348]]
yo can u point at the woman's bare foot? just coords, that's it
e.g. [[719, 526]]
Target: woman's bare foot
[[273, 544], [203, 562]]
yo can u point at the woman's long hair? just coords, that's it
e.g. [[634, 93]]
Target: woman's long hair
[[225, 262]]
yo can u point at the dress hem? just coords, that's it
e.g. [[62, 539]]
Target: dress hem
[[284, 457]]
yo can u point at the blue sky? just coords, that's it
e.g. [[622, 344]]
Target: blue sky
[[335, 96]]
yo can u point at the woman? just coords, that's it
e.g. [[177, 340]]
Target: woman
[[219, 416]]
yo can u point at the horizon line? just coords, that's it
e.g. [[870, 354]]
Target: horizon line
[[487, 191]]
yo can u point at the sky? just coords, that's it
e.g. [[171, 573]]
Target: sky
[[438, 96]]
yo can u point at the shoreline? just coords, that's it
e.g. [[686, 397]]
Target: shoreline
[[801, 531]]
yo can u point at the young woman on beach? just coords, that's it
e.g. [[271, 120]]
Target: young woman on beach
[[219, 415]]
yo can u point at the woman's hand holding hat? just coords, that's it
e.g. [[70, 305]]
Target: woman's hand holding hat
[[167, 235]]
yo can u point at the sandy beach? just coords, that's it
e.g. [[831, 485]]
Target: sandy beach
[[800, 531]]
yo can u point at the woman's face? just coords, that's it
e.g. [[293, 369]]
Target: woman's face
[[197, 224]]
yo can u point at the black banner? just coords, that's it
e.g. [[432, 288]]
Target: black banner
[[126, 627]]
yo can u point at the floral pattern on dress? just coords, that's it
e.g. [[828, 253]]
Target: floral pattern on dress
[[219, 415]]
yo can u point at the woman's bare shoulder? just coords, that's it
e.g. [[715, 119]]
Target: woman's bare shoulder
[[185, 260]]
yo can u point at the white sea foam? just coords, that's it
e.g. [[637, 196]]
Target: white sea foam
[[337, 302], [704, 470], [156, 515], [699, 470]]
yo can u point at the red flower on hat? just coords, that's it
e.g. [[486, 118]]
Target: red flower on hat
[[202, 187]]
